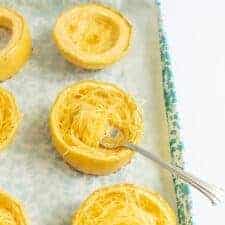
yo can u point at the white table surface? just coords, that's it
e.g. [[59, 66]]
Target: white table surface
[[196, 34]]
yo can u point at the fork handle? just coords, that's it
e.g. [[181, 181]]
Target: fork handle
[[213, 193]]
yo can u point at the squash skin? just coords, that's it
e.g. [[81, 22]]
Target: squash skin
[[84, 158], [11, 210], [17, 51], [124, 204], [94, 61], [9, 104]]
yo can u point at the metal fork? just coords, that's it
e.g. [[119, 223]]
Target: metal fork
[[113, 139]]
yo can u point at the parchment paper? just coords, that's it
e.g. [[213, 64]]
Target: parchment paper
[[30, 169]]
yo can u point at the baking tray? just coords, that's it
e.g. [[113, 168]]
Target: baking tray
[[32, 171]]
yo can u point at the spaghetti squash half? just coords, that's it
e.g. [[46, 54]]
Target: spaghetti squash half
[[9, 117], [92, 36], [17, 51], [11, 211], [80, 117], [124, 204]]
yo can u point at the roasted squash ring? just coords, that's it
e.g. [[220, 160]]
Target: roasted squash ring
[[11, 211], [9, 117], [92, 36], [18, 49], [81, 115], [124, 204]]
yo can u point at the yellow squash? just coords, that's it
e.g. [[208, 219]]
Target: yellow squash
[[18, 49], [11, 211], [9, 117], [82, 114], [92, 36], [124, 204]]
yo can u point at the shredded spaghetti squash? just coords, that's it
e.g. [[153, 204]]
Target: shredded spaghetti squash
[[92, 36], [80, 117], [11, 211], [9, 117], [124, 204], [17, 51]]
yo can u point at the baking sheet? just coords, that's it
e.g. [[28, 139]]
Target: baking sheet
[[31, 170]]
